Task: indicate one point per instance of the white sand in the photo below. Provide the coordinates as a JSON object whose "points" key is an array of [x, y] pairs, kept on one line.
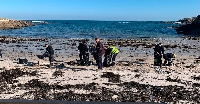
{"points": [[66, 51]]}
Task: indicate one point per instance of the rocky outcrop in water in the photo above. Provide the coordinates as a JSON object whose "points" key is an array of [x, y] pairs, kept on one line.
{"points": [[185, 21], [189, 26], [14, 24]]}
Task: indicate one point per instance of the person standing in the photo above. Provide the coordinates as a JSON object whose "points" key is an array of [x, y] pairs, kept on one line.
{"points": [[100, 51], [0, 54], [158, 54], [107, 56], [50, 53], [83, 52]]}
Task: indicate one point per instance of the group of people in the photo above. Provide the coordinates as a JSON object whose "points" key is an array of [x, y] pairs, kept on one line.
{"points": [[98, 51], [110, 53], [159, 54]]}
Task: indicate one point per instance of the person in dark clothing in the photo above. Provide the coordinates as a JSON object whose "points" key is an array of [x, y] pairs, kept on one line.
{"points": [[159, 49], [0, 54], [49, 52], [158, 53], [93, 52], [100, 51], [107, 57], [168, 58], [83, 55]]}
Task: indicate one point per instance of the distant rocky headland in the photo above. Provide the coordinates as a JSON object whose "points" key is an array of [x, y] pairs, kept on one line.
{"points": [[189, 26], [13, 24]]}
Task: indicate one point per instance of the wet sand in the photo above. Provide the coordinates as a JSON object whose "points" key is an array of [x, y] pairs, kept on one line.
{"points": [[132, 79]]}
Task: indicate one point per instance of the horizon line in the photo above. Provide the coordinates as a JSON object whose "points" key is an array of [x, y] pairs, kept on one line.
{"points": [[91, 20]]}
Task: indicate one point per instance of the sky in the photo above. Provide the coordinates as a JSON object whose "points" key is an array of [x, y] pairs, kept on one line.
{"points": [[107, 10]]}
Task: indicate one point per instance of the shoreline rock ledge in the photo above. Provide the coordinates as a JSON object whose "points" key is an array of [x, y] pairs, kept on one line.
{"points": [[189, 26], [13, 24]]}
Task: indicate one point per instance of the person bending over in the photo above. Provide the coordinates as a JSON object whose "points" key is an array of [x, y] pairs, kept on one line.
{"points": [[114, 54], [50, 53], [110, 55], [83, 52], [168, 59]]}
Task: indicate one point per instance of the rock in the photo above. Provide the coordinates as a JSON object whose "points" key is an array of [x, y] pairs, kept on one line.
{"points": [[189, 26], [58, 73], [114, 97], [197, 20], [114, 78], [186, 20], [14, 24]]}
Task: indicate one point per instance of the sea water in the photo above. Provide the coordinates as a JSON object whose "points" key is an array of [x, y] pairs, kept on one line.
{"points": [[92, 29]]}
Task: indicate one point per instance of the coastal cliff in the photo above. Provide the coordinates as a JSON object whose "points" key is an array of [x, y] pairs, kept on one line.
{"points": [[13, 24], [189, 26]]}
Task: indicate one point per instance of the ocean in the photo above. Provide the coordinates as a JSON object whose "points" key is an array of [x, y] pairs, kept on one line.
{"points": [[92, 29]]}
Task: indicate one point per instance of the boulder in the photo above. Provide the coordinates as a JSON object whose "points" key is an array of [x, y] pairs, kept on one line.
{"points": [[189, 26], [14, 24], [186, 20], [197, 20]]}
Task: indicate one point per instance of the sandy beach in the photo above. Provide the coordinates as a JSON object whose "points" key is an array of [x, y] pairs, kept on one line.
{"points": [[132, 79]]}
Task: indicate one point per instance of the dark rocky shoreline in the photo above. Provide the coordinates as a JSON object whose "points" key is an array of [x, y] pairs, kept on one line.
{"points": [[189, 26]]}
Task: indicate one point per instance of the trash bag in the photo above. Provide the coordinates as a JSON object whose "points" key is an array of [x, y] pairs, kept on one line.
{"points": [[107, 60], [23, 61], [61, 66], [85, 61], [40, 56], [46, 54]]}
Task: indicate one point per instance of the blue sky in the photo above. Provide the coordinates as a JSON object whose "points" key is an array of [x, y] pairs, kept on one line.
{"points": [[127, 10]]}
